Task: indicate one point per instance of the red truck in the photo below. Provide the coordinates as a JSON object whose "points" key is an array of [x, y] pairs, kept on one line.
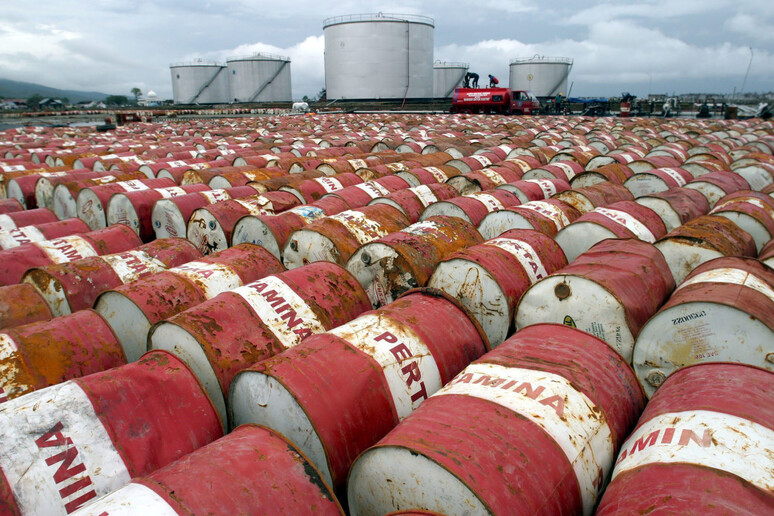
{"points": [[494, 100]]}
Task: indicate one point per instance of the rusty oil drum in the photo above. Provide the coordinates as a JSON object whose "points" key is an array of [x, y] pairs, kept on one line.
{"points": [[17, 219], [73, 286], [624, 219], [413, 201], [337, 393], [676, 206], [548, 216], [273, 231], [68, 444], [230, 332], [132, 309], [252, 470], [10, 238], [170, 216], [472, 207], [335, 238], [46, 353], [16, 261], [405, 259], [723, 311], [702, 446], [657, 180], [700, 240], [211, 227], [489, 278], [551, 398], [134, 209], [610, 291]]}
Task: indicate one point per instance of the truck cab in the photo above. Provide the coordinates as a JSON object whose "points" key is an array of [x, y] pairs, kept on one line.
{"points": [[494, 100]]}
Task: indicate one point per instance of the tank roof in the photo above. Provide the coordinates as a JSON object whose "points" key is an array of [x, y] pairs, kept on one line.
{"points": [[450, 64], [196, 62], [378, 17], [258, 56], [538, 59]]}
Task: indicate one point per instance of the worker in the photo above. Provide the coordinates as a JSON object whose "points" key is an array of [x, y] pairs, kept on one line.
{"points": [[493, 82], [471, 80], [558, 102]]}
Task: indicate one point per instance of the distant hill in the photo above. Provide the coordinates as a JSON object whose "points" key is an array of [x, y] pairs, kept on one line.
{"points": [[21, 90]]}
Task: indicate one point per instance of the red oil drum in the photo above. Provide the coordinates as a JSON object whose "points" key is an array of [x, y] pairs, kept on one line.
{"points": [[273, 231], [484, 179], [210, 227], [657, 180], [360, 195], [701, 446], [717, 185], [46, 353], [564, 170], [313, 189], [676, 206], [614, 172], [73, 442], [16, 261], [337, 393], [700, 240], [251, 471], [73, 286], [391, 265], [10, 238], [17, 219], [336, 237], [651, 162], [58, 193], [550, 397], [132, 309], [624, 219], [230, 332], [548, 216], [610, 291], [170, 216], [429, 175], [488, 279], [751, 211], [10, 205], [413, 201], [535, 189], [587, 198], [722, 312], [134, 208], [472, 207], [91, 203]]}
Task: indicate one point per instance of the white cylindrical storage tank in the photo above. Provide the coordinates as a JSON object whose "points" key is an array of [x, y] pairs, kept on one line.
{"points": [[447, 77], [199, 82], [379, 56], [543, 76], [259, 78]]}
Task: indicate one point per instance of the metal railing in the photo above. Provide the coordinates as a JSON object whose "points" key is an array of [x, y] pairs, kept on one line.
{"points": [[259, 56], [542, 59], [450, 64], [197, 62], [379, 17]]}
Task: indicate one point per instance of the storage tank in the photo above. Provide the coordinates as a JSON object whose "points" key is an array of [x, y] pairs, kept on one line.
{"points": [[379, 56], [199, 82], [259, 78], [446, 77], [543, 76]]}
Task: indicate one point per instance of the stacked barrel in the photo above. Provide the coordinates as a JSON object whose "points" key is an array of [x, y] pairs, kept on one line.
{"points": [[425, 314]]}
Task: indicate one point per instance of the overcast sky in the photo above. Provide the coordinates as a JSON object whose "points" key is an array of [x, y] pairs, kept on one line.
{"points": [[653, 46]]}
